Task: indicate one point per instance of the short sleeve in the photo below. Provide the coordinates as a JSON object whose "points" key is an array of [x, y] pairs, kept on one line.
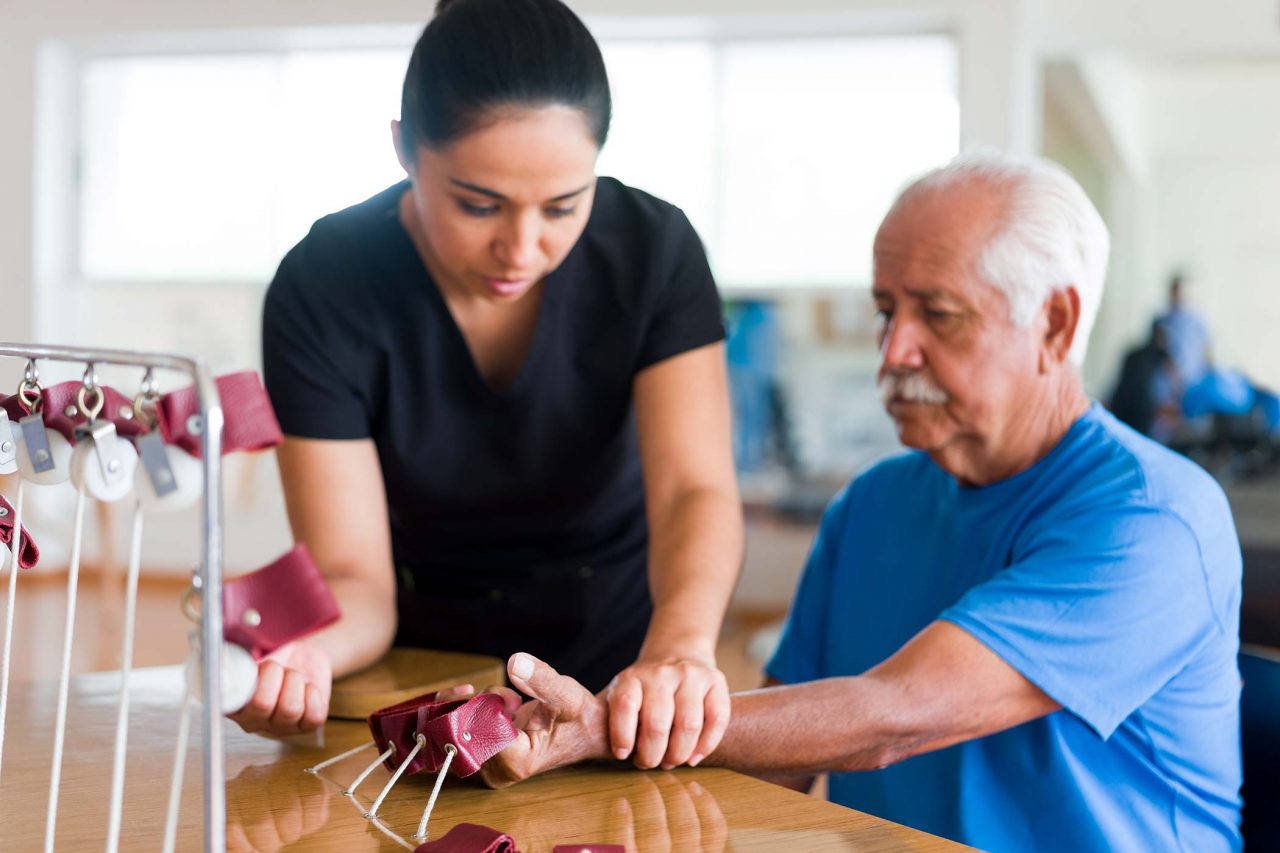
{"points": [[1102, 611], [687, 312], [800, 652], [306, 358]]}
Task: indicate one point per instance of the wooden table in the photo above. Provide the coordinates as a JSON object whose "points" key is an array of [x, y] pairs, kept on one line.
{"points": [[273, 805]]}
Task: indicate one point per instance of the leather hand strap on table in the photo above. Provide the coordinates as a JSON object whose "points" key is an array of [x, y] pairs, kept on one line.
{"points": [[277, 604], [249, 421], [470, 838], [477, 727], [30, 553]]}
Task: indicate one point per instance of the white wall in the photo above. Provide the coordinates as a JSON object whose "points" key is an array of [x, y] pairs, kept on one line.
{"points": [[1214, 202]]}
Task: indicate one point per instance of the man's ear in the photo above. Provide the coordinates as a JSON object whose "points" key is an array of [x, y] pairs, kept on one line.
{"points": [[397, 140], [1062, 315]]}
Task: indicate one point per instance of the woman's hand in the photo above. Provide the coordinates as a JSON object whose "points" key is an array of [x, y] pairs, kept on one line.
{"points": [[667, 712], [292, 697]]}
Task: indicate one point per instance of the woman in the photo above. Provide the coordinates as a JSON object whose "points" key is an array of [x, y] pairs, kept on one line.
{"points": [[503, 387]]}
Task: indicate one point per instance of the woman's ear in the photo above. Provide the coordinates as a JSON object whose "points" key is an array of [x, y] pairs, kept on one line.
{"points": [[397, 140]]}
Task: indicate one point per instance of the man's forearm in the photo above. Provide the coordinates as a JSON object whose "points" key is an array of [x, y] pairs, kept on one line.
{"points": [[837, 724]]}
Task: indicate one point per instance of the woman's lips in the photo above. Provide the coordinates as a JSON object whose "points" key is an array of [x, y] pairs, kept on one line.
{"points": [[508, 287]]}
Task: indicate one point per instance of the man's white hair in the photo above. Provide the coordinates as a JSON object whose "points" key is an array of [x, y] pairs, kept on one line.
{"points": [[1051, 238]]}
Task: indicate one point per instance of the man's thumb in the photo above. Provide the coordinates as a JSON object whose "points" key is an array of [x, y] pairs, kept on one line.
{"points": [[537, 679]]}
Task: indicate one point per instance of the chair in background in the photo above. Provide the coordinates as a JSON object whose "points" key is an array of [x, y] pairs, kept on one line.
{"points": [[1260, 742]]}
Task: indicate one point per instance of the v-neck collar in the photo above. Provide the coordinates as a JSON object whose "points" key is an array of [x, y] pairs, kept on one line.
{"points": [[551, 287]]}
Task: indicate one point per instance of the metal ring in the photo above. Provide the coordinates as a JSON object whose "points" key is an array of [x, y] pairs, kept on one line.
{"points": [[91, 412], [144, 408], [31, 395], [31, 374], [189, 608]]}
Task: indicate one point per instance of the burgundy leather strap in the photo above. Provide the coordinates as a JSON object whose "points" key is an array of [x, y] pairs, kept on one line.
{"points": [[470, 838], [289, 599], [478, 727], [62, 398], [249, 421], [57, 399], [589, 848], [30, 553]]}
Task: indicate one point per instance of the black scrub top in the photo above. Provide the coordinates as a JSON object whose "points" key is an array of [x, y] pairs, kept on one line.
{"points": [[517, 515]]}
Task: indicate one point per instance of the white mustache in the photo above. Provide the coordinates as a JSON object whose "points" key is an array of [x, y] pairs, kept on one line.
{"points": [[911, 388]]}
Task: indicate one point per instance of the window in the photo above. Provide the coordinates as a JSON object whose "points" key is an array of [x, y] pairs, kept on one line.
{"points": [[785, 153]]}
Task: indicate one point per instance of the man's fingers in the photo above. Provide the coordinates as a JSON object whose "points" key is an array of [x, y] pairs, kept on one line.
{"points": [[625, 697], [686, 726], [716, 711], [511, 700], [561, 694], [458, 691]]}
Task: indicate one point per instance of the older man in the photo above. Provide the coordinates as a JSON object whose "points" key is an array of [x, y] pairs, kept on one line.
{"points": [[1023, 635]]}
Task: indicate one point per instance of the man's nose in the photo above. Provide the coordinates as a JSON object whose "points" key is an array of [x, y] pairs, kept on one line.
{"points": [[900, 345]]}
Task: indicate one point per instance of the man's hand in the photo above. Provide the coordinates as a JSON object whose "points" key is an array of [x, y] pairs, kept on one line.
{"points": [[292, 697], [561, 723], [668, 711]]}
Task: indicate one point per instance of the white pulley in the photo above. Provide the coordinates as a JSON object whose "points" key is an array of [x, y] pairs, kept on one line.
{"points": [[184, 475], [106, 479], [239, 677], [56, 449]]}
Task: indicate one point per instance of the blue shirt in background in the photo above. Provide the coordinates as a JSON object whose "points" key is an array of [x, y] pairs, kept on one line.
{"points": [[1108, 574]]}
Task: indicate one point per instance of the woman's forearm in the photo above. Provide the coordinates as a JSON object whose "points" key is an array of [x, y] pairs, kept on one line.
{"points": [[695, 554]]}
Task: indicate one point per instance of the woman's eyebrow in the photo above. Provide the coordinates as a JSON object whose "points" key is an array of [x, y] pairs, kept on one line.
{"points": [[494, 194]]}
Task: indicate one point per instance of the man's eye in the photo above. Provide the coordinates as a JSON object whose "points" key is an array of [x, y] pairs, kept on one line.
{"points": [[560, 212], [477, 209], [934, 314]]}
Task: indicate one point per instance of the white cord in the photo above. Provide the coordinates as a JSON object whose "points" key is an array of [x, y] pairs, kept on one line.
{"points": [[350, 752], [395, 777], [8, 614], [386, 830], [350, 790], [64, 679], [175, 785], [126, 665], [449, 752]]}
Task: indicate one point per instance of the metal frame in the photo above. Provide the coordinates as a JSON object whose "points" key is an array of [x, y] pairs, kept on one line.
{"points": [[210, 572]]}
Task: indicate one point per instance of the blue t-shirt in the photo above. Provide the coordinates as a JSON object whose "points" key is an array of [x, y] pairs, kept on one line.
{"points": [[1108, 574]]}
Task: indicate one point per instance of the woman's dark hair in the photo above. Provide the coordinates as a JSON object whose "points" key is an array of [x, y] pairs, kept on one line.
{"points": [[479, 56]]}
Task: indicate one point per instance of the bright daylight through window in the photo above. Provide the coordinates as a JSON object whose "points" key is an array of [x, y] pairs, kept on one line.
{"points": [[784, 153]]}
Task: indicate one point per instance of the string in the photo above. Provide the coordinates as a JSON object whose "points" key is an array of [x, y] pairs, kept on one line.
{"points": [[126, 665], [449, 752], [64, 678], [350, 791], [395, 777], [175, 785], [350, 752], [8, 615]]}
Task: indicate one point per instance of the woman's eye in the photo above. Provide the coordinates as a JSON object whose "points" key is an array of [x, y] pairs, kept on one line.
{"points": [[477, 209], [560, 212]]}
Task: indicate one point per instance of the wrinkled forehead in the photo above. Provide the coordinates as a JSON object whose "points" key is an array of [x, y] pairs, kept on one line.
{"points": [[933, 240]]}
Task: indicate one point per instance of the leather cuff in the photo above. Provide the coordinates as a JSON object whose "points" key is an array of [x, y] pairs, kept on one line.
{"points": [[470, 838], [277, 604], [30, 553], [477, 727]]}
